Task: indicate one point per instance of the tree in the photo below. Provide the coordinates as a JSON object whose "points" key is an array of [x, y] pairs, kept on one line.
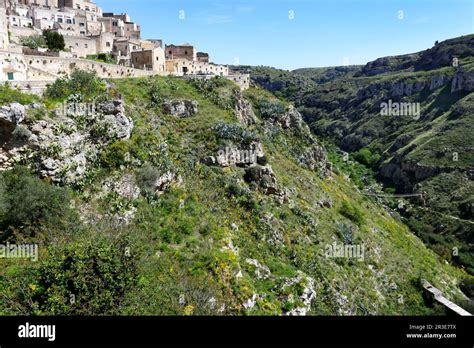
{"points": [[54, 40]]}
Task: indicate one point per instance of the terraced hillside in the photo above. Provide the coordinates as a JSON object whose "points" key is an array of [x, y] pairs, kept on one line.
{"points": [[430, 153], [190, 198]]}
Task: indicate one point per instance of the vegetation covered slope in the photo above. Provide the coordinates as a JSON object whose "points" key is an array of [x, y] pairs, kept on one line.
{"points": [[430, 153], [154, 225]]}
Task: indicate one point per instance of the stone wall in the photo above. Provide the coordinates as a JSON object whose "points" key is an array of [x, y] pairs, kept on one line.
{"points": [[38, 68]]}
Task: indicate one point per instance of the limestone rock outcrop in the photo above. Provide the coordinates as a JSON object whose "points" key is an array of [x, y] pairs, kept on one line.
{"points": [[12, 114], [463, 81], [180, 107], [242, 156], [63, 148], [244, 111]]}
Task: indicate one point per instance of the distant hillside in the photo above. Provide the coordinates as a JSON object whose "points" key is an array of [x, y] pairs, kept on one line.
{"points": [[431, 154]]}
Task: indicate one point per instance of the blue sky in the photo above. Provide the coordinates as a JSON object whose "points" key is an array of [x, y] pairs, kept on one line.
{"points": [[292, 34]]}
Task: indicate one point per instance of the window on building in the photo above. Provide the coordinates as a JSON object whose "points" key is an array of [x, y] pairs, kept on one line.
{"points": [[186, 53], [115, 24], [10, 76], [83, 33], [86, 45], [60, 20], [107, 44], [68, 21], [82, 24]]}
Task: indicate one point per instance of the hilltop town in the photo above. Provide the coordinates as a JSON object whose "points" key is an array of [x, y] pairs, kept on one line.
{"points": [[109, 44]]}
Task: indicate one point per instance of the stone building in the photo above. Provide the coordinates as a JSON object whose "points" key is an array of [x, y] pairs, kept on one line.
{"points": [[151, 43], [181, 67], [79, 46], [152, 59], [203, 57], [86, 5], [121, 25], [185, 51], [44, 3], [104, 42], [123, 48], [88, 31]]}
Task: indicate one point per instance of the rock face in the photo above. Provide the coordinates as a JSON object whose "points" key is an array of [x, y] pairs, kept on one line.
{"points": [[181, 108], [244, 111], [260, 271], [315, 158], [388, 64], [113, 107], [12, 114], [165, 181], [292, 118], [463, 81], [125, 187], [402, 88], [407, 173], [264, 177], [65, 147], [243, 156], [308, 293]]}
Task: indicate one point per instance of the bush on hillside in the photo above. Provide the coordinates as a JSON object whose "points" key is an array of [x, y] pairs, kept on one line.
{"points": [[26, 200], [10, 95], [81, 82], [54, 40], [33, 42], [271, 109], [85, 278], [352, 213], [234, 133], [365, 156], [147, 177]]}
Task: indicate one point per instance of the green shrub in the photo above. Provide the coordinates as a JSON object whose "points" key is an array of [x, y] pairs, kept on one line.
{"points": [[33, 42], [54, 40], [81, 82], [87, 278], [352, 213], [271, 109], [29, 201], [9, 95], [234, 133], [146, 179], [365, 156], [155, 95], [115, 154]]}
